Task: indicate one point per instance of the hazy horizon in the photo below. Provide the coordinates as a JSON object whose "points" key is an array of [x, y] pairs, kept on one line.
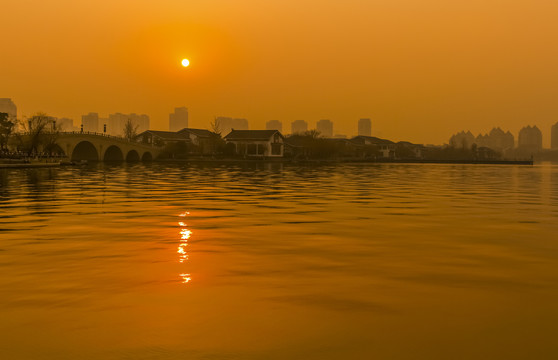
{"points": [[421, 71]]}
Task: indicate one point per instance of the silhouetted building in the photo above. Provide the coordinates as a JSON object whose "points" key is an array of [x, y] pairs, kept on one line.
{"points": [[65, 124], [117, 121], [226, 124], [554, 136], [497, 140], [179, 119], [240, 124], [299, 127], [161, 138], [202, 141], [274, 125], [365, 127], [386, 148], [256, 143], [530, 139], [325, 128], [90, 122], [462, 140], [7, 106]]}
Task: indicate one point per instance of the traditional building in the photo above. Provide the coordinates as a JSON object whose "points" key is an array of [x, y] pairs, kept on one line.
{"points": [[385, 147], [203, 140], [161, 138], [256, 143]]}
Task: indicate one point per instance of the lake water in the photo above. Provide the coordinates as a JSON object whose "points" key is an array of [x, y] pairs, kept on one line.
{"points": [[272, 261]]}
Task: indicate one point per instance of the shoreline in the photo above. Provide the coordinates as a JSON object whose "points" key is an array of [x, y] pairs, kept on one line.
{"points": [[291, 161]]}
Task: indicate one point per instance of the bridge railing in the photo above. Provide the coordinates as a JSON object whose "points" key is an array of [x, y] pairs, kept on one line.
{"points": [[121, 138]]}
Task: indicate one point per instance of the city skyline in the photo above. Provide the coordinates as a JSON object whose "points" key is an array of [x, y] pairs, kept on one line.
{"points": [[420, 70], [348, 127], [114, 124]]}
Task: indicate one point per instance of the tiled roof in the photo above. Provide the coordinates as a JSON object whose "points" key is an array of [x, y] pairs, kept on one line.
{"points": [[197, 132], [251, 134], [166, 135], [372, 140]]}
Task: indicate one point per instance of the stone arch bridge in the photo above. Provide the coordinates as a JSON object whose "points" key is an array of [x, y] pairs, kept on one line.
{"points": [[99, 147]]}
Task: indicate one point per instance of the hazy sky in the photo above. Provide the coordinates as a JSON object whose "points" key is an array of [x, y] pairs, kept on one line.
{"points": [[420, 69]]}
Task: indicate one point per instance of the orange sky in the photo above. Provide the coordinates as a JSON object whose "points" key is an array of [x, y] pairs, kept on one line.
{"points": [[421, 69]]}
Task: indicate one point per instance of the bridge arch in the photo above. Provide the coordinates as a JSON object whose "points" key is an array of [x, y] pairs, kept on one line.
{"points": [[113, 153], [146, 157], [85, 150], [132, 156]]}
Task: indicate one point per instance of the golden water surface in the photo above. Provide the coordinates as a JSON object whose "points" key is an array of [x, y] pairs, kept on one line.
{"points": [[269, 261]]}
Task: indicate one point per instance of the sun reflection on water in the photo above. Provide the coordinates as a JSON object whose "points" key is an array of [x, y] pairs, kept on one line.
{"points": [[182, 253]]}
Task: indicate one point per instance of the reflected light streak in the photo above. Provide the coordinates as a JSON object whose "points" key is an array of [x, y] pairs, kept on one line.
{"points": [[183, 254], [185, 278]]}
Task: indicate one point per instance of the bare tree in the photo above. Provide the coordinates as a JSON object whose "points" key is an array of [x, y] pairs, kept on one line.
{"points": [[130, 130], [6, 128], [215, 127], [39, 133]]}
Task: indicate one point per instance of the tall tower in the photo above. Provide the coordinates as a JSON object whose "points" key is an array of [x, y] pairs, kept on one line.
{"points": [[240, 124], [530, 138], [325, 127], [179, 119], [90, 122], [299, 126], [554, 136], [364, 127], [274, 125], [7, 106]]}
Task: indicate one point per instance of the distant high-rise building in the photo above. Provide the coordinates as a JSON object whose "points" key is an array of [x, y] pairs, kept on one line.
{"points": [[554, 136], [364, 127], [325, 128], [90, 122], [497, 140], [225, 124], [7, 106], [65, 124], [116, 123], [179, 119], [462, 140], [240, 124], [299, 126], [274, 125], [530, 139]]}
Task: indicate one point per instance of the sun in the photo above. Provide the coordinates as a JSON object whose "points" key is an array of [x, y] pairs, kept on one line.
{"points": [[185, 62]]}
